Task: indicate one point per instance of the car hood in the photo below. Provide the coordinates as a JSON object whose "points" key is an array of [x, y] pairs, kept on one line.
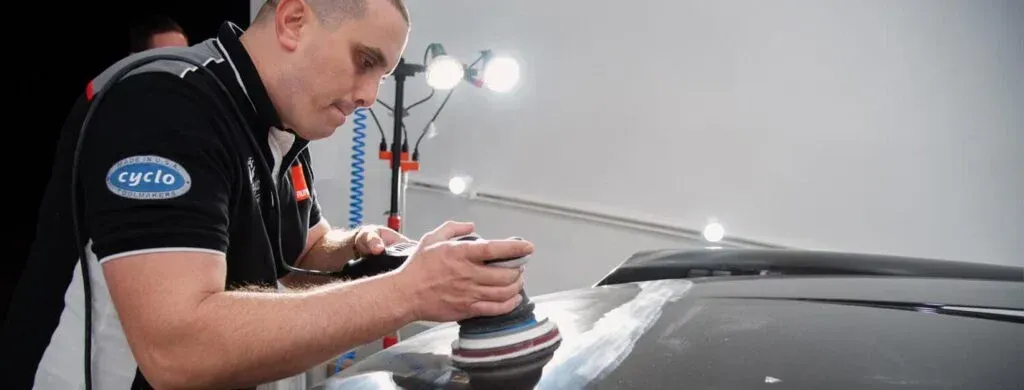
{"points": [[804, 332]]}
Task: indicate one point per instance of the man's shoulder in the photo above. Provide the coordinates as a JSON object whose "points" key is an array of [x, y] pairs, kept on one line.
{"points": [[175, 68], [154, 98]]}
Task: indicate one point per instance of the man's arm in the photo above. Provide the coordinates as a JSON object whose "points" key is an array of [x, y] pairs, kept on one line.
{"points": [[326, 249], [163, 258], [185, 330]]}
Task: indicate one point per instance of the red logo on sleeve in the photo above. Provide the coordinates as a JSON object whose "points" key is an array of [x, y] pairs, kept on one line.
{"points": [[299, 183]]}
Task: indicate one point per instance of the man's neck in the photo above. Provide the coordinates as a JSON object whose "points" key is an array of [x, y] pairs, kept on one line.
{"points": [[252, 43], [255, 44]]}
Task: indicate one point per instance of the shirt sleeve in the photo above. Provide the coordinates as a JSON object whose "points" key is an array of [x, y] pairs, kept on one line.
{"points": [[156, 175]]}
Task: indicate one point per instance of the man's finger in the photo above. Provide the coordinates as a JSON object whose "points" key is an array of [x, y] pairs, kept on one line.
{"points": [[498, 293], [485, 308], [447, 231], [480, 251], [497, 276], [391, 237], [369, 242]]}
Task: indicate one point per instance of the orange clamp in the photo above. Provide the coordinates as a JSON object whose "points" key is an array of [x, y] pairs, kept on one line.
{"points": [[386, 155], [408, 166]]}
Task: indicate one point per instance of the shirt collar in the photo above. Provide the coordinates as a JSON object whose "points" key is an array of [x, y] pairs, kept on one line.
{"points": [[248, 77]]}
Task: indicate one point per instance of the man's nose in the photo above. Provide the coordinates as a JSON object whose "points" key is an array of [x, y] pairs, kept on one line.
{"points": [[366, 94]]}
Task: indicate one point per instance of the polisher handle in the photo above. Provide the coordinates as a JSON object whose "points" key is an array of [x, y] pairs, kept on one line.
{"points": [[393, 257], [514, 262]]}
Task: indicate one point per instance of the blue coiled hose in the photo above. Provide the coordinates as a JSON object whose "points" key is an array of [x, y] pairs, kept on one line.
{"points": [[355, 213]]}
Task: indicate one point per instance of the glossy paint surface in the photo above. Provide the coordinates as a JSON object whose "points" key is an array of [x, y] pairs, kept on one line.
{"points": [[774, 333]]}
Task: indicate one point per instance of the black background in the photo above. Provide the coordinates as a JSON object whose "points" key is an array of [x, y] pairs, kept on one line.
{"points": [[52, 53]]}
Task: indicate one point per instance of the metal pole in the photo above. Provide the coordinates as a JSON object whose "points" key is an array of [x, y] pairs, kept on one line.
{"points": [[403, 194], [394, 216]]}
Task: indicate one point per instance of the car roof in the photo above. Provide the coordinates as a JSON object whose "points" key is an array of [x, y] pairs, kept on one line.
{"points": [[690, 263], [797, 331]]}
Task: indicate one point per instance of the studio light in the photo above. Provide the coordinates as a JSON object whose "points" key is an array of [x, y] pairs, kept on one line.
{"points": [[501, 74], [458, 184], [444, 72], [713, 232]]}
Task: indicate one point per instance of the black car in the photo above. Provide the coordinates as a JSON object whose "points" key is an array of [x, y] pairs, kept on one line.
{"points": [[743, 319]]}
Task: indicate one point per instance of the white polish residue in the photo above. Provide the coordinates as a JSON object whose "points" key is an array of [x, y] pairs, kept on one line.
{"points": [[596, 352], [771, 379]]}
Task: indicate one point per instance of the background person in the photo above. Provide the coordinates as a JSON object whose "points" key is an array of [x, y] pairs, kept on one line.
{"points": [[153, 31]]}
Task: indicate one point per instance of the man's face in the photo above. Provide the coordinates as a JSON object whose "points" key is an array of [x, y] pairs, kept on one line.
{"points": [[335, 69], [167, 39]]}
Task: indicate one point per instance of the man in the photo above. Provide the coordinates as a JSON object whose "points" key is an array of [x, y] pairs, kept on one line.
{"points": [[189, 214], [155, 31]]}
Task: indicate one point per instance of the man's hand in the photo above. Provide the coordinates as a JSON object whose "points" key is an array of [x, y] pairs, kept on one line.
{"points": [[329, 249], [372, 239], [448, 281]]}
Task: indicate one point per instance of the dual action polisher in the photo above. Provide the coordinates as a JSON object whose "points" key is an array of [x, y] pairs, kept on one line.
{"points": [[516, 337]]}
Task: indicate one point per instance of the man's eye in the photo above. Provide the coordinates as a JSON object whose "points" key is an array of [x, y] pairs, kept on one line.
{"points": [[367, 63]]}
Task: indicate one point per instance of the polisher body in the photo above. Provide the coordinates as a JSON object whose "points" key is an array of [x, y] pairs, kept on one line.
{"points": [[511, 338]]}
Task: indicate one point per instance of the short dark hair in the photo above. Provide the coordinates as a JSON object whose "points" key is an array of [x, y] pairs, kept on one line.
{"points": [[146, 26], [333, 11]]}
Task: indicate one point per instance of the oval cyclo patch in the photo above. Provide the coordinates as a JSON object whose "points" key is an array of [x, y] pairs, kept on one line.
{"points": [[148, 177]]}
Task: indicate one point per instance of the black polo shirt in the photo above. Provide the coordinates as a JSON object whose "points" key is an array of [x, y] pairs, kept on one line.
{"points": [[166, 165]]}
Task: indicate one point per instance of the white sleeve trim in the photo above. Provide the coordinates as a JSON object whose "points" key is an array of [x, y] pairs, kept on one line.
{"points": [[158, 250]]}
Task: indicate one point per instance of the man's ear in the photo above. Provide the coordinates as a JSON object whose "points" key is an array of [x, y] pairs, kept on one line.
{"points": [[291, 18]]}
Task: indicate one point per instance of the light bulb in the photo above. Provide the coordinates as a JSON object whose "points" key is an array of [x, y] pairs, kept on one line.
{"points": [[501, 74], [713, 232], [458, 184], [444, 72]]}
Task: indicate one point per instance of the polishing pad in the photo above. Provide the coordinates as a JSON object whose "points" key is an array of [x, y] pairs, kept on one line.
{"points": [[507, 346]]}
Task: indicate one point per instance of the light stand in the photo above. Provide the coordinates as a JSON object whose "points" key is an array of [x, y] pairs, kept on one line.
{"points": [[399, 154], [443, 72]]}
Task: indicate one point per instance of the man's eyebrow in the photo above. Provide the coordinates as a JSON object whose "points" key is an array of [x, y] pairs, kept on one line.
{"points": [[375, 54]]}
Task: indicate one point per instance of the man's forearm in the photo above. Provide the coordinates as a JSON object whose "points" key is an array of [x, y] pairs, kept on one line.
{"points": [[242, 339], [330, 253]]}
